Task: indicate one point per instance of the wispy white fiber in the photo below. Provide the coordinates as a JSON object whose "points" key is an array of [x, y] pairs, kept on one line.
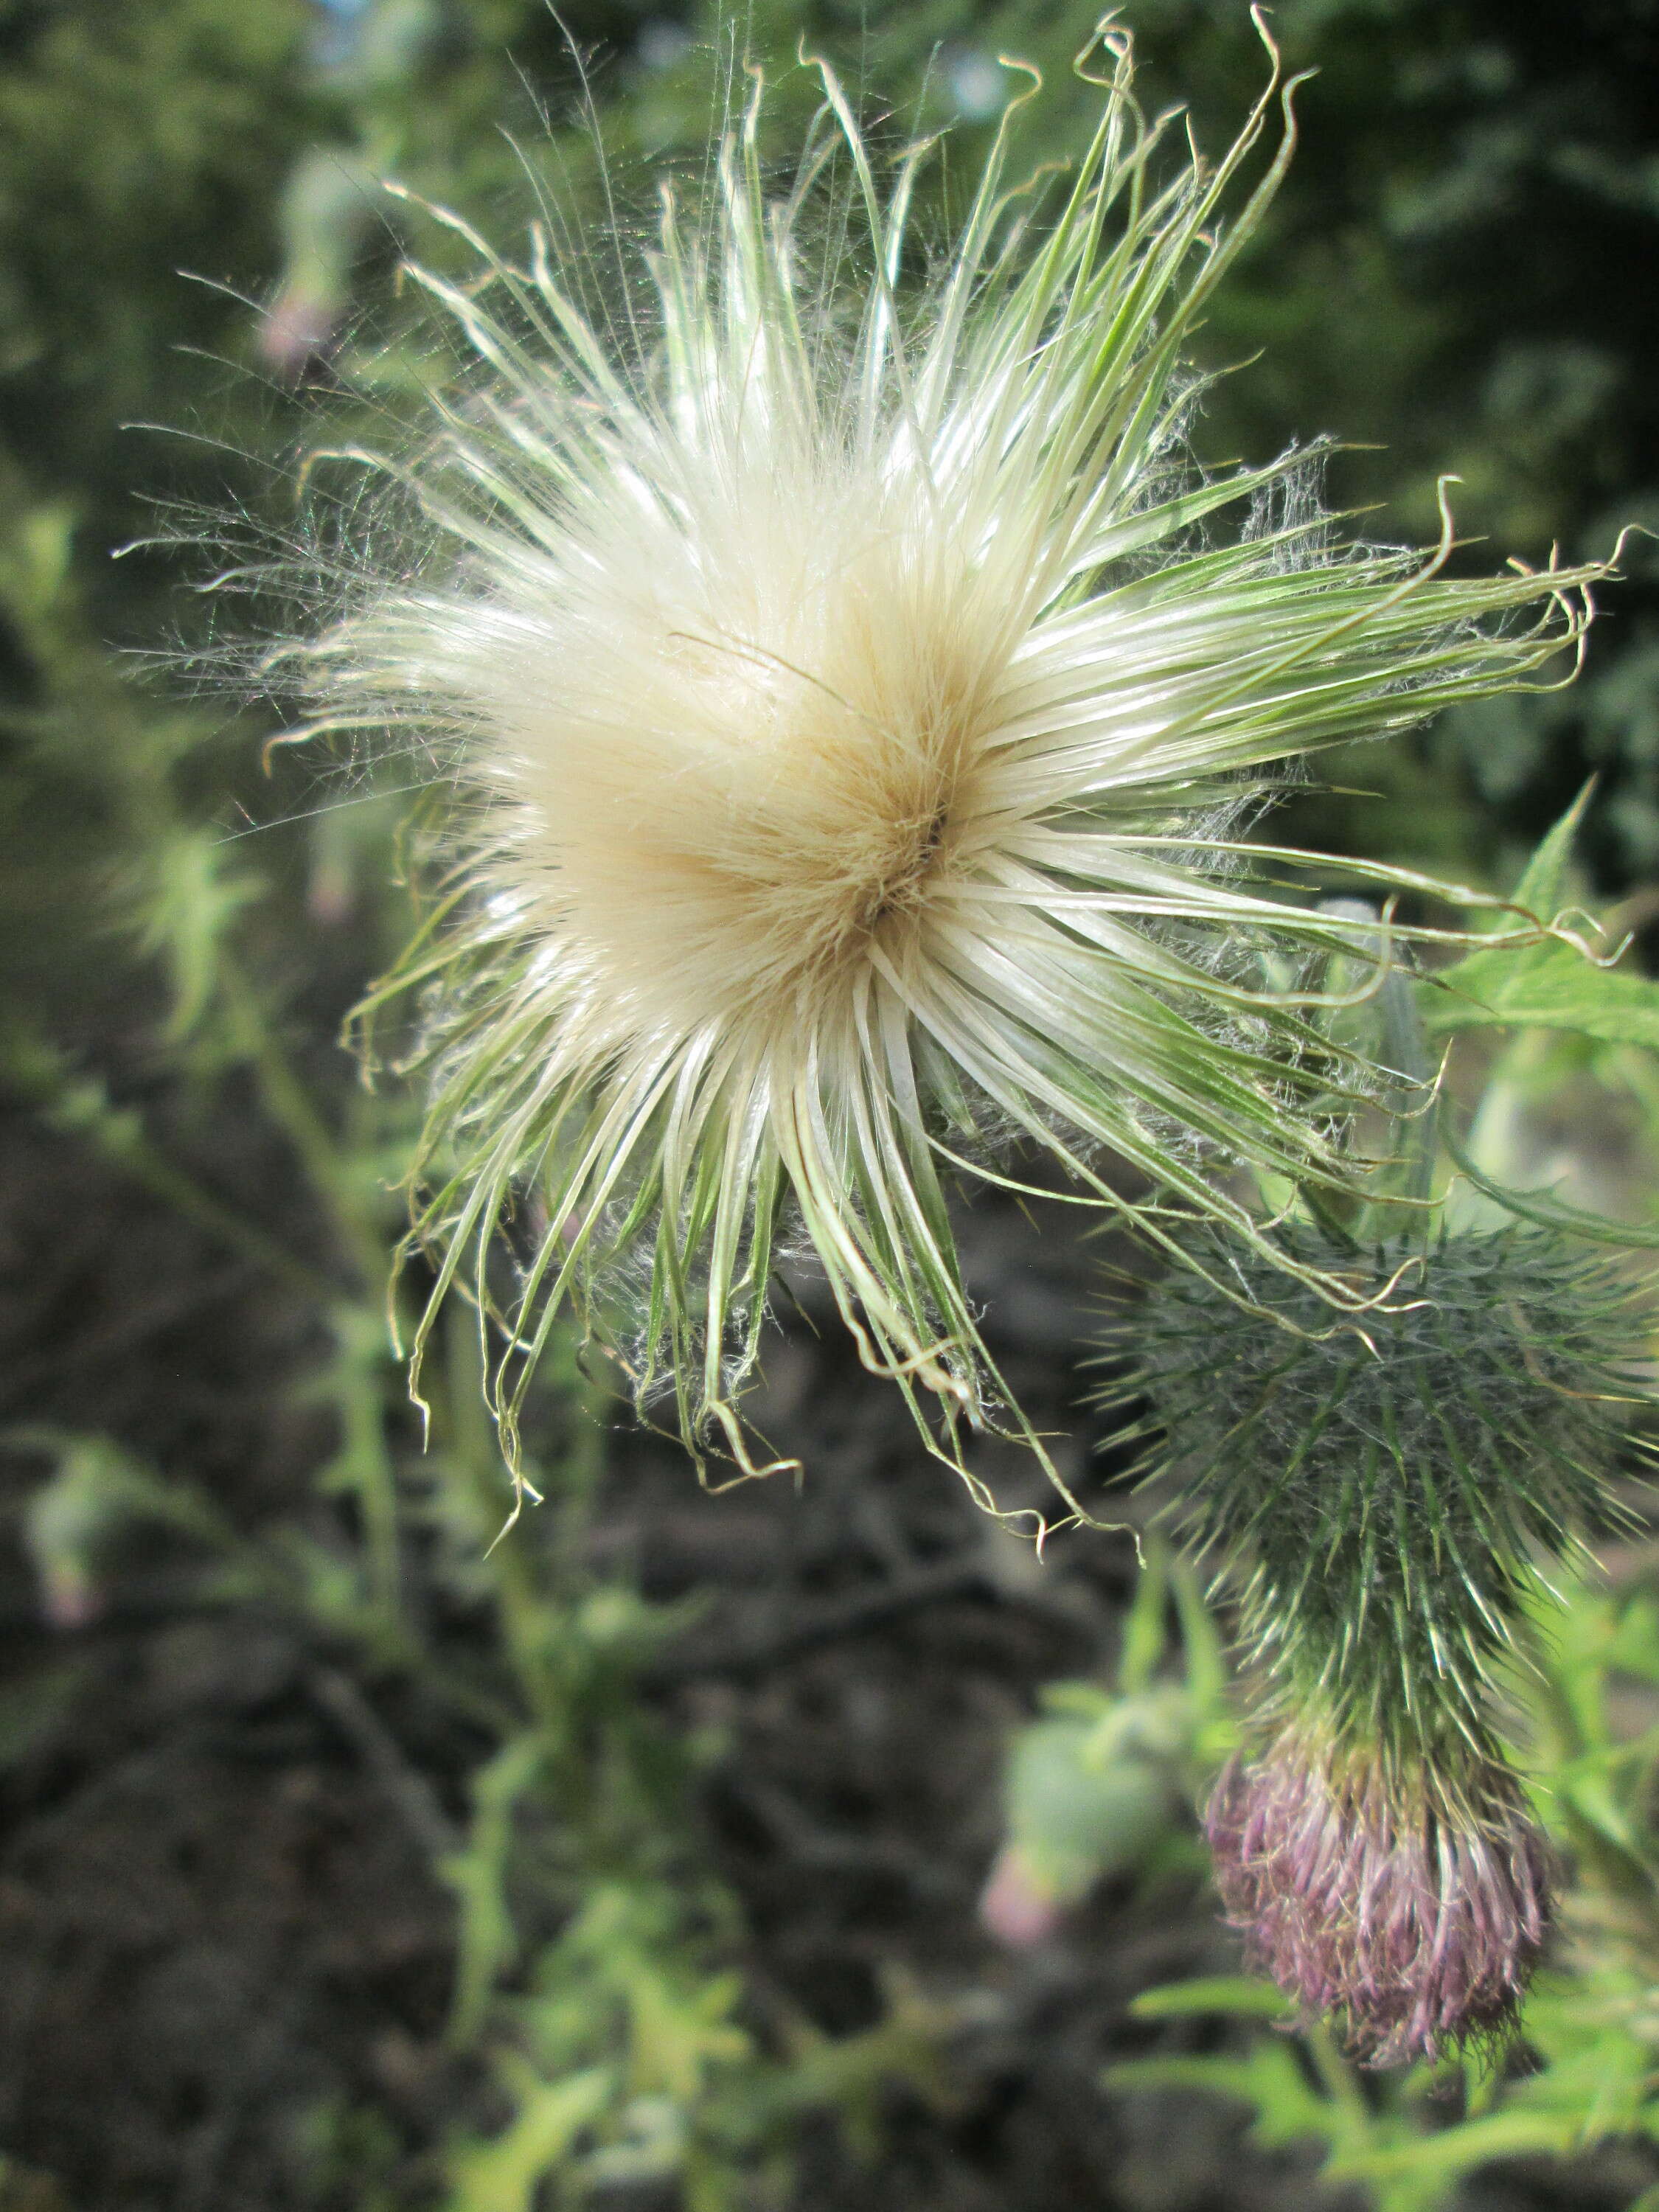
{"points": [[844, 693]]}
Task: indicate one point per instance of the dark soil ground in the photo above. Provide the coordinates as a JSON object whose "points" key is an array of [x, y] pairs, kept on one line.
{"points": [[217, 1919]]}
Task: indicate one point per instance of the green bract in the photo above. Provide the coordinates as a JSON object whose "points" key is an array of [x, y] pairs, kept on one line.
{"points": [[844, 704], [1385, 1494]]}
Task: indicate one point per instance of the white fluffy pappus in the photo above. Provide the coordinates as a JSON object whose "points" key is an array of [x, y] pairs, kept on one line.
{"points": [[843, 695]]}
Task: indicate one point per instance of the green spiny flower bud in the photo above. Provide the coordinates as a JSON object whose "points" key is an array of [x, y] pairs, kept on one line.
{"points": [[1381, 1496]]}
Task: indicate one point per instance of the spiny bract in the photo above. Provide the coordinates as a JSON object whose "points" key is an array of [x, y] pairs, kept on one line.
{"points": [[847, 723], [1381, 1493]]}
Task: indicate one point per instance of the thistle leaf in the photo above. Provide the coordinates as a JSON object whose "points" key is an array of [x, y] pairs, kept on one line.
{"points": [[1547, 984]]}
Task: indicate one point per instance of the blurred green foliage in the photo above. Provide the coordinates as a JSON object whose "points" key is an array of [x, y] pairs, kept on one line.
{"points": [[1453, 276], [619, 2051]]}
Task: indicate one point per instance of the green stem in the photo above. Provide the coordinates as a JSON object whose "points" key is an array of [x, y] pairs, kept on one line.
{"points": [[1335, 2075], [1405, 1049], [365, 1464], [153, 1171], [289, 1105], [78, 1106]]}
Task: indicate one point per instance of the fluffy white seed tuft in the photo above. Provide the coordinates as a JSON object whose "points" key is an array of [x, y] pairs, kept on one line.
{"points": [[744, 754], [844, 704]]}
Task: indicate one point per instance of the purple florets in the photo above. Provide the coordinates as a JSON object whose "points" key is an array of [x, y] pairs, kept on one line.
{"points": [[1418, 1920]]}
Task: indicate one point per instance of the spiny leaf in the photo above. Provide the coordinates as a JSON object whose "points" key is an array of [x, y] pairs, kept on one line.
{"points": [[1546, 985], [1539, 889]]}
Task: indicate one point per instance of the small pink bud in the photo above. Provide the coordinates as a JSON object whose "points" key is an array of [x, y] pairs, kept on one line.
{"points": [[1016, 1908], [296, 331], [71, 1596]]}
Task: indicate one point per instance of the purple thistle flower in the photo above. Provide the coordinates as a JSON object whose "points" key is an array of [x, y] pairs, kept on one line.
{"points": [[1417, 1916]]}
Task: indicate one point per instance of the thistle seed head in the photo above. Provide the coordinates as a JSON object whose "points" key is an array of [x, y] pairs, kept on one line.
{"points": [[1414, 1915], [846, 696], [746, 764]]}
